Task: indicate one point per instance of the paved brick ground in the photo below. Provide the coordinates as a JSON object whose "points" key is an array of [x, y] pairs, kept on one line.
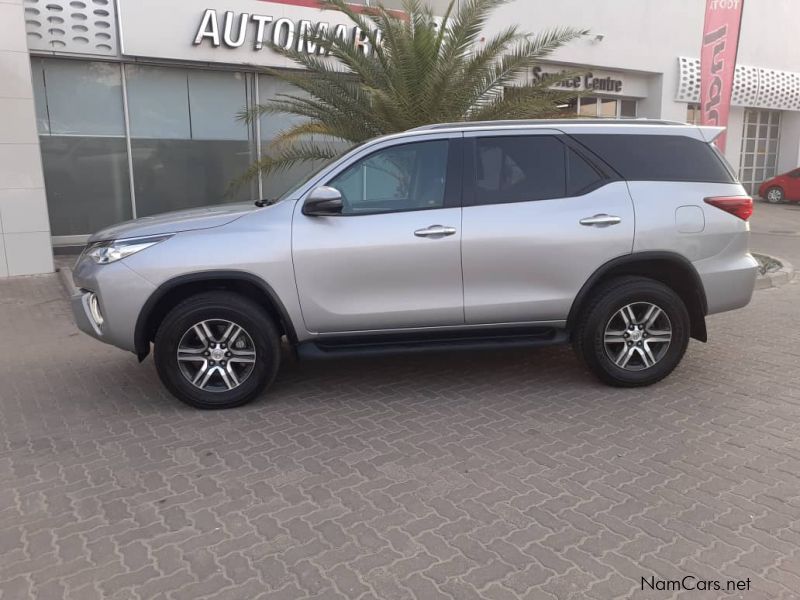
{"points": [[504, 475]]}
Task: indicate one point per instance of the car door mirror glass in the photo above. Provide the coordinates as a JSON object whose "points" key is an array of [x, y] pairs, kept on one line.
{"points": [[323, 201]]}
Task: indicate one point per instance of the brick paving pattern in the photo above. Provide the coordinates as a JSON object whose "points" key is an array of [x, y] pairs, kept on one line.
{"points": [[491, 475]]}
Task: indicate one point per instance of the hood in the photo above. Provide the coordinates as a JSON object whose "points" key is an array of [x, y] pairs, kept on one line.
{"points": [[174, 222]]}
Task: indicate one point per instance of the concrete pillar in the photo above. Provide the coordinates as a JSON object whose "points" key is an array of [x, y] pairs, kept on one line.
{"points": [[25, 246], [733, 144]]}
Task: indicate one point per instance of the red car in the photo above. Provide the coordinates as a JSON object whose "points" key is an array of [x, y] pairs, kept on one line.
{"points": [[781, 188]]}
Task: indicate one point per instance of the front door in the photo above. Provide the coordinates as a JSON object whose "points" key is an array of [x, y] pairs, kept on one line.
{"points": [[539, 218], [392, 259]]}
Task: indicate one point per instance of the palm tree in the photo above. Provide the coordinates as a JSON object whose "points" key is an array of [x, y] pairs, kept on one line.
{"points": [[415, 74]]}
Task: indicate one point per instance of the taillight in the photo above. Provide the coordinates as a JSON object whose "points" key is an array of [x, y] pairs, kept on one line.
{"points": [[738, 206]]}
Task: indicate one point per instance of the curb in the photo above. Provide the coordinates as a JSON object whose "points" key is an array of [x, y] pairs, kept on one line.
{"points": [[65, 277], [777, 278]]}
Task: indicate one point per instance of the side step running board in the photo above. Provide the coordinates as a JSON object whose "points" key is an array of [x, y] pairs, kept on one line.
{"points": [[313, 350]]}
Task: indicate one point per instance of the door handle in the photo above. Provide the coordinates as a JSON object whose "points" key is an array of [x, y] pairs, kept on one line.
{"points": [[435, 231], [601, 221]]}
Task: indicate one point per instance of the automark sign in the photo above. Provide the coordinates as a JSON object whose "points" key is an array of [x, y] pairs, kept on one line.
{"points": [[234, 31]]}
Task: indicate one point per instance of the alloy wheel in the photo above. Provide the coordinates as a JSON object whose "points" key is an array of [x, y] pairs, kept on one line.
{"points": [[637, 336], [216, 355]]}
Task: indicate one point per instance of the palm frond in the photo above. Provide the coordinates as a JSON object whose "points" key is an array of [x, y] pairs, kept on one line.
{"points": [[414, 74]]}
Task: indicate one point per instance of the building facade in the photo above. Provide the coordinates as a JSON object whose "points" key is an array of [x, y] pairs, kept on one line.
{"points": [[117, 109]]}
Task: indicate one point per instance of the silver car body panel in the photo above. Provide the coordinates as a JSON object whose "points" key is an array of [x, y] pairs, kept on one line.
{"points": [[674, 217], [121, 294], [509, 264], [359, 273], [514, 255], [174, 222]]}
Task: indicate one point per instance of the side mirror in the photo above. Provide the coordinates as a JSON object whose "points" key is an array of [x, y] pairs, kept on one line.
{"points": [[323, 201]]}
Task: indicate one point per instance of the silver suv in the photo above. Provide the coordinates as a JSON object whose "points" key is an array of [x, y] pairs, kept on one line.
{"points": [[617, 236]]}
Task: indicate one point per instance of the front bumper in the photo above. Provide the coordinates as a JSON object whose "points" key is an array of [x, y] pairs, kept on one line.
{"points": [[121, 294], [83, 316]]}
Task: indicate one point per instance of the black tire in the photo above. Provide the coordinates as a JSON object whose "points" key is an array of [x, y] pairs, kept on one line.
{"points": [[610, 297], [775, 195], [210, 306]]}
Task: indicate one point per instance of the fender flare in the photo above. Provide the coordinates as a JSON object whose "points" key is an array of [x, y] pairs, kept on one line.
{"points": [[141, 335], [697, 316]]}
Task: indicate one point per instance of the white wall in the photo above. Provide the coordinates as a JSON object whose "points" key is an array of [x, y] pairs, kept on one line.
{"points": [[24, 226], [650, 35]]}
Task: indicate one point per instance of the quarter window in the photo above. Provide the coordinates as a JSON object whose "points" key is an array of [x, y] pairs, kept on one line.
{"points": [[401, 178], [581, 176], [519, 169], [658, 157]]}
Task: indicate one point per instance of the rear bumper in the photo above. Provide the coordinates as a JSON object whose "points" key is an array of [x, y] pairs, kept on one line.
{"points": [[728, 285]]}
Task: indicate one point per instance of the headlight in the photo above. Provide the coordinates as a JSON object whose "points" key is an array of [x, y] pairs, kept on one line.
{"points": [[111, 251]]}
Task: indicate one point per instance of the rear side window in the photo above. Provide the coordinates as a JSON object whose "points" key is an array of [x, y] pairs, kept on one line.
{"points": [[581, 176], [658, 157], [519, 169]]}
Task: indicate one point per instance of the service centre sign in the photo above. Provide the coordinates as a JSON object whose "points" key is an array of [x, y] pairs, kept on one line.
{"points": [[590, 79], [584, 82], [236, 31]]}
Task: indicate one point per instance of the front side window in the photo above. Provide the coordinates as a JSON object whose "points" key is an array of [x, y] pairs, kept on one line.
{"points": [[401, 178], [519, 169]]}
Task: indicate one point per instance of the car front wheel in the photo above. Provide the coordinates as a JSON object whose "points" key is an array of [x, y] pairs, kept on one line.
{"points": [[634, 332], [217, 350]]}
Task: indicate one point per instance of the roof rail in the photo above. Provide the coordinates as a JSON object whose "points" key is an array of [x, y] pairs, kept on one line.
{"points": [[522, 122]]}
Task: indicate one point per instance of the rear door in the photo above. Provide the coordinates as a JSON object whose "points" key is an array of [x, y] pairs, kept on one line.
{"points": [[539, 218]]}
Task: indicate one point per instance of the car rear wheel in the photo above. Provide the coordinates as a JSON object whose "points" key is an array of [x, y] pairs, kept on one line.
{"points": [[774, 195], [217, 350], [634, 332]]}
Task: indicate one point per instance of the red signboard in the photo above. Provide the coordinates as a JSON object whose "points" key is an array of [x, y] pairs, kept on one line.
{"points": [[718, 61]]}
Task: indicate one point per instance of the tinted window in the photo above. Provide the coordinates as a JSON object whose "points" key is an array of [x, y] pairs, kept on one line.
{"points": [[408, 177], [519, 169], [658, 157], [581, 176]]}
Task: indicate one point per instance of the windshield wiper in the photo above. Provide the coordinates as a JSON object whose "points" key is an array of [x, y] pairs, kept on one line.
{"points": [[265, 202]]}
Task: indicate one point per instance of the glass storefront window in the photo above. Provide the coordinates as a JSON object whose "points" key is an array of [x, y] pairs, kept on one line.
{"points": [[187, 145], [158, 102], [587, 107], [606, 108], [693, 114], [275, 184], [87, 182], [627, 109], [759, 150], [82, 136]]}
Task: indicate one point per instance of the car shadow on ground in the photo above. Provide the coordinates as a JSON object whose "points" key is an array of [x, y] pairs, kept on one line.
{"points": [[526, 379]]}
